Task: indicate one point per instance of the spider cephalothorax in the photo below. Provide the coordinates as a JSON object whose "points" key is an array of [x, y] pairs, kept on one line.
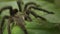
{"points": [[19, 16]]}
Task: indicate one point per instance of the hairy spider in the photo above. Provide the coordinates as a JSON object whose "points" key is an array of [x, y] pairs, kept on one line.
{"points": [[19, 16]]}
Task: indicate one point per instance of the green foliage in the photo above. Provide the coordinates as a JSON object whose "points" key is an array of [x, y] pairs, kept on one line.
{"points": [[37, 26]]}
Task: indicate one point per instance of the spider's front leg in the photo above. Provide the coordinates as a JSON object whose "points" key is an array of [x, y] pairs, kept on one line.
{"points": [[20, 3], [33, 5], [2, 23], [43, 10], [5, 8]]}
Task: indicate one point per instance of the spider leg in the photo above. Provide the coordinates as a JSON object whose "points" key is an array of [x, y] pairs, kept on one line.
{"points": [[23, 28], [35, 6], [12, 11], [12, 25], [27, 17], [29, 4], [12, 22], [8, 25], [20, 23], [6, 7], [2, 23], [37, 16], [19, 3], [42, 10]]}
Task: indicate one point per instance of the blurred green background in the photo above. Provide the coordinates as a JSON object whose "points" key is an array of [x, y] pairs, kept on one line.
{"points": [[37, 26]]}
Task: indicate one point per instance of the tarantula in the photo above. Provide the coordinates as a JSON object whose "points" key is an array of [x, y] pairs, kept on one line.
{"points": [[19, 16]]}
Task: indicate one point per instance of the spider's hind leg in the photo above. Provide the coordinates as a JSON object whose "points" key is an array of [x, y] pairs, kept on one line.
{"points": [[8, 25], [2, 23]]}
